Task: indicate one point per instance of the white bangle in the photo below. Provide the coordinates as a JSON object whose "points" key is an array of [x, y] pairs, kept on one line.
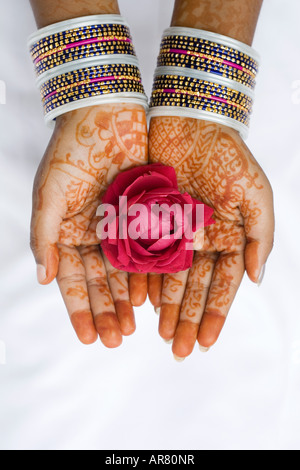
{"points": [[118, 98]]}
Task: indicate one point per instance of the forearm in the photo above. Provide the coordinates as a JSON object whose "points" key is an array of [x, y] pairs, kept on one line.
{"points": [[47, 12], [234, 18]]}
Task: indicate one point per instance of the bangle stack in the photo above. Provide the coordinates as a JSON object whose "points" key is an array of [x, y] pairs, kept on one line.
{"points": [[85, 62], [204, 75]]}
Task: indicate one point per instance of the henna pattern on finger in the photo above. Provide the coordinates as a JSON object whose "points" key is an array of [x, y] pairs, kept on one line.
{"points": [[78, 291], [70, 257], [219, 293], [197, 285], [118, 277], [171, 284]]}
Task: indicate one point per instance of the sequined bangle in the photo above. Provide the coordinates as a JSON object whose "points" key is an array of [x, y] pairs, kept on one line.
{"points": [[201, 88], [197, 52], [85, 42], [206, 97], [90, 82], [206, 76], [81, 52], [84, 62], [206, 65], [198, 46], [100, 72], [48, 43], [201, 110]]}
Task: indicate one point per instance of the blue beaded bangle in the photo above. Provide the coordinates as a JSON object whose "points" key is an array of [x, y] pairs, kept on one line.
{"points": [[199, 45], [190, 86], [81, 53], [207, 66], [167, 107]]}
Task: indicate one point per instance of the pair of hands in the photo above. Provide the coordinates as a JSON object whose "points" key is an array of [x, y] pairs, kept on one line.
{"points": [[89, 147]]}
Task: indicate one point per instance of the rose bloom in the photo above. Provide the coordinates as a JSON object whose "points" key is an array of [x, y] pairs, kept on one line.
{"points": [[150, 223]]}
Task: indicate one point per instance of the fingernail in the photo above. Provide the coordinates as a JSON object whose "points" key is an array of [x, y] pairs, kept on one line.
{"points": [[41, 273], [157, 310], [168, 341], [261, 276], [179, 359], [202, 349]]}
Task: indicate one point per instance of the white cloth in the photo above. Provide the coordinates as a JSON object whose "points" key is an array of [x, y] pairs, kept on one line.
{"points": [[60, 395]]}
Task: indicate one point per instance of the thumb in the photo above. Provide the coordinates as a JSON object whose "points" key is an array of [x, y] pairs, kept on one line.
{"points": [[259, 226], [45, 228]]}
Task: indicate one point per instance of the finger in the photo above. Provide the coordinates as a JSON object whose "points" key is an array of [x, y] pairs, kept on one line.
{"points": [[101, 300], [258, 213], [155, 283], [227, 277], [138, 288], [193, 304], [47, 215], [72, 283], [119, 287], [172, 295]]}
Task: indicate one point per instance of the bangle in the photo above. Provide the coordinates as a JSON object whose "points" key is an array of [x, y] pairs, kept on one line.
{"points": [[204, 75], [89, 43], [86, 61], [88, 83], [206, 64]]}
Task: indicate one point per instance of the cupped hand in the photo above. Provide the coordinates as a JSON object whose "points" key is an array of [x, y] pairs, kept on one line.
{"points": [[214, 165], [87, 150]]}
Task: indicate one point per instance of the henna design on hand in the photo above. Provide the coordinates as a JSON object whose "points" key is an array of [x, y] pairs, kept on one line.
{"points": [[89, 147], [214, 165]]}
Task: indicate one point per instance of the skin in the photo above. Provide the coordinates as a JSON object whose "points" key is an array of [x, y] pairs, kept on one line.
{"points": [[47, 12], [234, 18], [214, 165]]}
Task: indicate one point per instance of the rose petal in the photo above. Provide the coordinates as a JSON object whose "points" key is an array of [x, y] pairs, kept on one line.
{"points": [[146, 183], [126, 178]]}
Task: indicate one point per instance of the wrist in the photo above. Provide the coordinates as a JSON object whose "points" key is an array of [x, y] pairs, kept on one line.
{"points": [[91, 114], [236, 19], [48, 12]]}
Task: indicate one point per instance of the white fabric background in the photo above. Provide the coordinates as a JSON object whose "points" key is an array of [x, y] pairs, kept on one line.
{"points": [[58, 394]]}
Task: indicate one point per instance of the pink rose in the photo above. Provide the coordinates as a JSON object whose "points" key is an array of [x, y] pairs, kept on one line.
{"points": [[150, 229]]}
